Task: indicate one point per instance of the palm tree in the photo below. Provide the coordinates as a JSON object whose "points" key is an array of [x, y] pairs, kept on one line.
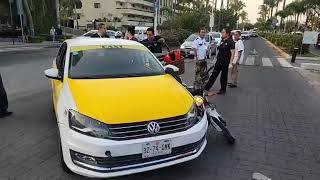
{"points": [[277, 5], [283, 7], [270, 4], [29, 16], [263, 12], [298, 8], [243, 15]]}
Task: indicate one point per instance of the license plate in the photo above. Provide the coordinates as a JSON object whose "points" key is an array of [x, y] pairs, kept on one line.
{"points": [[156, 148]]}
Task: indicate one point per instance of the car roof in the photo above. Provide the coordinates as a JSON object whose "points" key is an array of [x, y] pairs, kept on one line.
{"points": [[100, 41]]}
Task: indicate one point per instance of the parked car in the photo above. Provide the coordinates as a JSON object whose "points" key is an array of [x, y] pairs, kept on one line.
{"points": [[245, 35], [217, 37], [140, 32], [110, 33], [186, 47], [119, 112]]}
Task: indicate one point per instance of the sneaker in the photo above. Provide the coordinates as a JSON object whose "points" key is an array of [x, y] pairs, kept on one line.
{"points": [[5, 114], [233, 86]]}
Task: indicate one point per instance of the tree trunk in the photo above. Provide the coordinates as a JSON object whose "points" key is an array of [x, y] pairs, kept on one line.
{"points": [[271, 12], [297, 22], [227, 4], [215, 5], [29, 16]]}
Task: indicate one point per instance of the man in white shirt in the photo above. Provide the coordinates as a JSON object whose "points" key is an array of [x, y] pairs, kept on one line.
{"points": [[238, 59], [199, 47]]}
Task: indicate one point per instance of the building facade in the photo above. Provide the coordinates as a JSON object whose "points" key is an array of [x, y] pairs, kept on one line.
{"points": [[120, 13]]}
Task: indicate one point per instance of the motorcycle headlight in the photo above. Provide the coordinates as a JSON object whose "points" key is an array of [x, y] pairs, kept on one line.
{"points": [[198, 100], [192, 117], [182, 47], [87, 126]]}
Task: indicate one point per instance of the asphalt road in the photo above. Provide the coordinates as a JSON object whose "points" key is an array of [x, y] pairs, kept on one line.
{"points": [[274, 115]]}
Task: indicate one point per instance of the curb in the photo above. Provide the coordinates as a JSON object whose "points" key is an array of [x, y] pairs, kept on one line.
{"points": [[32, 45], [276, 48]]}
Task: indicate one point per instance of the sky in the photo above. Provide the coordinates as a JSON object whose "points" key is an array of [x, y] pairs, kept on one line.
{"points": [[252, 8]]}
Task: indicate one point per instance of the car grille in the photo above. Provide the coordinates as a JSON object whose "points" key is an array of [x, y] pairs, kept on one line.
{"points": [[139, 130], [113, 164]]}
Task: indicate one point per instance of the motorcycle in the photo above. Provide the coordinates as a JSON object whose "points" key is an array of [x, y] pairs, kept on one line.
{"points": [[204, 107]]}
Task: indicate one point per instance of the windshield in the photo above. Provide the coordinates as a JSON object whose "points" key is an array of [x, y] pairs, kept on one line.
{"points": [[99, 62], [216, 35], [192, 37]]}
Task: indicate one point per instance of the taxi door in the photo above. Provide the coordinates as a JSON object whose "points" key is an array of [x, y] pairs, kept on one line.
{"points": [[59, 64]]}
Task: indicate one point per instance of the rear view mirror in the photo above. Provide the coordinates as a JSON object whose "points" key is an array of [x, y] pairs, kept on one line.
{"points": [[173, 71]]}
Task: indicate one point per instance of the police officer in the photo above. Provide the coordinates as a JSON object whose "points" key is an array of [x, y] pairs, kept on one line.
{"points": [[200, 50], [225, 54], [3, 101]]}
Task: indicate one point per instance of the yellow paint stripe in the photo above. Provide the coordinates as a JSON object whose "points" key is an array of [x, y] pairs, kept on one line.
{"points": [[84, 48]]}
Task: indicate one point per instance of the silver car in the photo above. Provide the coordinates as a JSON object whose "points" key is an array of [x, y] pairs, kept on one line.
{"points": [[186, 47]]}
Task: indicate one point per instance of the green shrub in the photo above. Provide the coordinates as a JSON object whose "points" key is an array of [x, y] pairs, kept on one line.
{"points": [[175, 37], [35, 39], [287, 41]]}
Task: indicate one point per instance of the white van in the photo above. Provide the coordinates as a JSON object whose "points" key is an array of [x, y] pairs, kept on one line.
{"points": [[140, 32]]}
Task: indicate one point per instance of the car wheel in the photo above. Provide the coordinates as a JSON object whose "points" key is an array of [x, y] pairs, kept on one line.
{"points": [[60, 154]]}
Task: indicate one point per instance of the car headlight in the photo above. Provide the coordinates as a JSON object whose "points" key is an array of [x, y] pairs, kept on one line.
{"points": [[87, 126], [182, 47], [192, 117]]}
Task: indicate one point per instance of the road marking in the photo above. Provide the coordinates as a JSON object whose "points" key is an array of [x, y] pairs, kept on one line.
{"points": [[259, 176], [266, 62], [250, 61], [284, 63]]}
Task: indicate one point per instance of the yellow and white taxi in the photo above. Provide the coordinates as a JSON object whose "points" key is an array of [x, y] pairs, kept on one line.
{"points": [[118, 112]]}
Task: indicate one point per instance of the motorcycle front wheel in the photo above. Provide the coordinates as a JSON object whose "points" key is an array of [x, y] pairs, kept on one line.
{"points": [[226, 133]]}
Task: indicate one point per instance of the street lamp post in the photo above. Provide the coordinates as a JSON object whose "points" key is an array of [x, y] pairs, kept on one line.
{"points": [[11, 21]]}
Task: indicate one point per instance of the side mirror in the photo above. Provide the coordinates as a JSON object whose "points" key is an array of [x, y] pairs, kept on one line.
{"points": [[52, 73], [173, 71]]}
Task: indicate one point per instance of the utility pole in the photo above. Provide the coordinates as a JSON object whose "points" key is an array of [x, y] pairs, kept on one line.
{"points": [[11, 21], [220, 16]]}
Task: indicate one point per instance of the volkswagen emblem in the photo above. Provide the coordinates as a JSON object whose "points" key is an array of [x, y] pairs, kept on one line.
{"points": [[153, 128]]}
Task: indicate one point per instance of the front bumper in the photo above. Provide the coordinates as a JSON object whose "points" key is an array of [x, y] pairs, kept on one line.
{"points": [[126, 156]]}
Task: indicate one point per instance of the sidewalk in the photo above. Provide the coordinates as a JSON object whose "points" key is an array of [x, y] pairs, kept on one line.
{"points": [[315, 51], [20, 44]]}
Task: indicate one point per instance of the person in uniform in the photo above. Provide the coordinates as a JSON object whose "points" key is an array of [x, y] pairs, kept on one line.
{"points": [[153, 43], [3, 101], [224, 57], [238, 59], [102, 32], [200, 50]]}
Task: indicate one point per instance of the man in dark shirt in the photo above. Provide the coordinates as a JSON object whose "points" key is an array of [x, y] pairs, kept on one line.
{"points": [[225, 54], [102, 32], [153, 43], [3, 101]]}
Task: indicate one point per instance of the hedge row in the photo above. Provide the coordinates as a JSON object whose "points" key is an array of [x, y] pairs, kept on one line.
{"points": [[286, 42], [45, 37]]}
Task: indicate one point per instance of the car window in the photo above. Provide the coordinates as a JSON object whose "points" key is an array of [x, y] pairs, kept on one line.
{"points": [[60, 60], [207, 38], [113, 62], [192, 37], [217, 35]]}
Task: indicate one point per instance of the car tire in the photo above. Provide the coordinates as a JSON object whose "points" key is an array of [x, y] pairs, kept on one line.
{"points": [[63, 165]]}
